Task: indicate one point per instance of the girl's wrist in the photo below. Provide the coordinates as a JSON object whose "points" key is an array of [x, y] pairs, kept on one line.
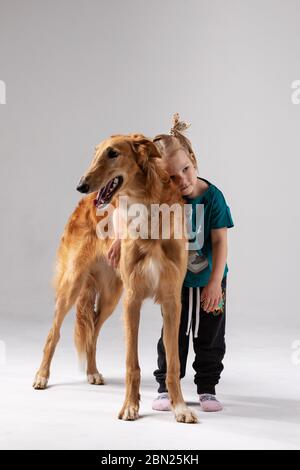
{"points": [[215, 280]]}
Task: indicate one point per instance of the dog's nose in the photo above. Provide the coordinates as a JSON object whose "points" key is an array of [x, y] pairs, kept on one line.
{"points": [[83, 187]]}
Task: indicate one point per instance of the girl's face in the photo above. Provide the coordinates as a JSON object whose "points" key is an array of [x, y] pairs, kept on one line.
{"points": [[182, 172]]}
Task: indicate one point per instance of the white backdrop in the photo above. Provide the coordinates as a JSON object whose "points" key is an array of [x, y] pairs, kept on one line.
{"points": [[76, 72]]}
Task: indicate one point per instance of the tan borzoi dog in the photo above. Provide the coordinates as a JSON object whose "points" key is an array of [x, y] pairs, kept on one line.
{"points": [[122, 166]]}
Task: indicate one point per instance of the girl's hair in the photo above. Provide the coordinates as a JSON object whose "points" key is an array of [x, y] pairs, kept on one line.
{"points": [[167, 144]]}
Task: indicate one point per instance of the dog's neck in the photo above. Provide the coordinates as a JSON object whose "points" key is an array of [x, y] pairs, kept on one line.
{"points": [[157, 190], [142, 206]]}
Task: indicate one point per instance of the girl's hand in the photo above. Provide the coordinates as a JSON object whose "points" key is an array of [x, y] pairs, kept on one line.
{"points": [[211, 296], [114, 253]]}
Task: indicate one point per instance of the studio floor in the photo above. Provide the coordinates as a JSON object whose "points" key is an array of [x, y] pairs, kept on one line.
{"points": [[259, 389]]}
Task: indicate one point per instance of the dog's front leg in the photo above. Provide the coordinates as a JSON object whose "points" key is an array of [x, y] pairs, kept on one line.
{"points": [[171, 315], [132, 308]]}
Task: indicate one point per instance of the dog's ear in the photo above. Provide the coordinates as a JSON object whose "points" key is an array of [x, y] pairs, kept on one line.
{"points": [[144, 151], [149, 160]]}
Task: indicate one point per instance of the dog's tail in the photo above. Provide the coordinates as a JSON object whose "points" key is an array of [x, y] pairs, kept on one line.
{"points": [[84, 333]]}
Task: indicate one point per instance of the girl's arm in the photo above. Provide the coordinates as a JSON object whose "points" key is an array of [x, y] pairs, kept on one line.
{"points": [[114, 252], [212, 293], [219, 253], [118, 223]]}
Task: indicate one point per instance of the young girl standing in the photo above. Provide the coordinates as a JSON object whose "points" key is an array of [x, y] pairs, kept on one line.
{"points": [[203, 293]]}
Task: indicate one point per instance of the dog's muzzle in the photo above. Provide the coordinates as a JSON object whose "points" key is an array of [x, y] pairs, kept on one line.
{"points": [[83, 187]]}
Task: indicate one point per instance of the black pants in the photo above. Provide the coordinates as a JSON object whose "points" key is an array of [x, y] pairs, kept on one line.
{"points": [[209, 343]]}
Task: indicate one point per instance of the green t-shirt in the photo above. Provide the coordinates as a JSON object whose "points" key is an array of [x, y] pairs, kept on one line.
{"points": [[213, 212]]}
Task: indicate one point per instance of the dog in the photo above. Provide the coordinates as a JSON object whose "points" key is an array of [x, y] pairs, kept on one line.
{"points": [[123, 165]]}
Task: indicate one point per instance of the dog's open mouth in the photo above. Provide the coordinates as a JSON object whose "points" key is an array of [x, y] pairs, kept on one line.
{"points": [[106, 193]]}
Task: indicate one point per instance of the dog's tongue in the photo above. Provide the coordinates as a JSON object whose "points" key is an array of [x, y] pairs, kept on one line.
{"points": [[103, 193], [107, 188]]}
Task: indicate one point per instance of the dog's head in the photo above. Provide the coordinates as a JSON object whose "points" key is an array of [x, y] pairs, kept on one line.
{"points": [[120, 160]]}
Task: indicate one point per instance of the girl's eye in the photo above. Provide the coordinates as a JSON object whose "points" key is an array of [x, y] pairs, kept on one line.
{"points": [[185, 168], [172, 177]]}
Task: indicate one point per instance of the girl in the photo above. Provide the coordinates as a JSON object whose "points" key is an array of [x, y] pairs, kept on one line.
{"points": [[203, 293]]}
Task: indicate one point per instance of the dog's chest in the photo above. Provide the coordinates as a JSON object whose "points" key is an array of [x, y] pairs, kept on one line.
{"points": [[152, 272]]}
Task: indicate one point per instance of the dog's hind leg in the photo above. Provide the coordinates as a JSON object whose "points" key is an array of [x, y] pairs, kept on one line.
{"points": [[171, 319], [107, 300], [90, 320], [67, 294], [86, 318], [130, 409]]}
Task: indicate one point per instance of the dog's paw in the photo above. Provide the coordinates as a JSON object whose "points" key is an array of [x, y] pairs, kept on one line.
{"points": [[129, 413], [95, 379], [40, 383], [183, 414]]}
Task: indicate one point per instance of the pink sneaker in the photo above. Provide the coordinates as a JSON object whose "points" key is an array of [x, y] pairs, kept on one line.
{"points": [[161, 402], [209, 402]]}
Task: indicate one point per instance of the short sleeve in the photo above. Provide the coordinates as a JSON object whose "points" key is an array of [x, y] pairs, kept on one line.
{"points": [[221, 215]]}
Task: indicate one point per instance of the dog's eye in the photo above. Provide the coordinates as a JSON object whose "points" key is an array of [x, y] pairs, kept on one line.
{"points": [[112, 153]]}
